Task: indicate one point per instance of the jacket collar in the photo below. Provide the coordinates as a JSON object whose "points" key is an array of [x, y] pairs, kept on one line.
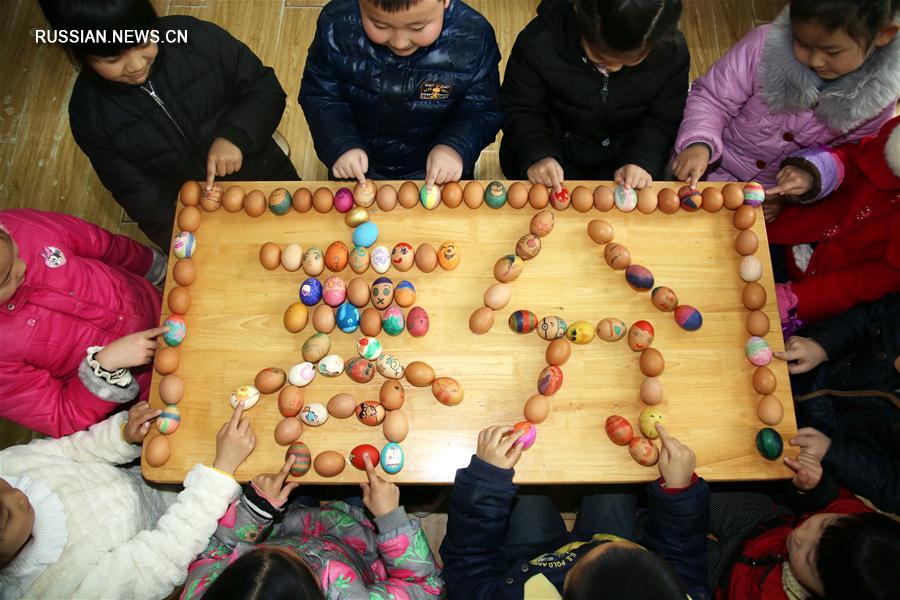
{"points": [[843, 104]]}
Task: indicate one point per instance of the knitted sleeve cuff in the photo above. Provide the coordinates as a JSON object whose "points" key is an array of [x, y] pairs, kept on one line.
{"points": [[827, 171], [116, 386]]}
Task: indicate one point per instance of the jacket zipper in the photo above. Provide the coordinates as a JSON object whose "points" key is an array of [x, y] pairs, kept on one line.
{"points": [[604, 93], [162, 105]]}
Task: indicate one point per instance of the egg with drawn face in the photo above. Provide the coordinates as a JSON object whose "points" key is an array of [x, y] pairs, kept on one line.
{"points": [[382, 293], [402, 256], [640, 335], [313, 262], [381, 259], [359, 259], [448, 256]]}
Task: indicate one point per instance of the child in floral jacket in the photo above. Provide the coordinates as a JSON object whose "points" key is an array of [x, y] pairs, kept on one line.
{"points": [[263, 549]]}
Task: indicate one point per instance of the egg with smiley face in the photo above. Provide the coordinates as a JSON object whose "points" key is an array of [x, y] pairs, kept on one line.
{"points": [[382, 293], [402, 256], [313, 262], [640, 335], [448, 256]]}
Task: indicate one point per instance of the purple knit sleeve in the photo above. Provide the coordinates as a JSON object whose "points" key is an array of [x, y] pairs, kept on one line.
{"points": [[825, 167]]}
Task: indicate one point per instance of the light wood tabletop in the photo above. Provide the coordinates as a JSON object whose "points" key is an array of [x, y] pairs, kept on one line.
{"points": [[235, 329]]}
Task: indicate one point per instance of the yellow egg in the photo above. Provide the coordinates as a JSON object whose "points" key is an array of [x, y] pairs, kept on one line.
{"points": [[395, 426], [650, 416]]}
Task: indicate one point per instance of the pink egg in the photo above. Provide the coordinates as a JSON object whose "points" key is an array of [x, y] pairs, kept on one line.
{"points": [[343, 200]]}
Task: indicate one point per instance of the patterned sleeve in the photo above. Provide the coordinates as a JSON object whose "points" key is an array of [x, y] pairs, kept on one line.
{"points": [[410, 565]]}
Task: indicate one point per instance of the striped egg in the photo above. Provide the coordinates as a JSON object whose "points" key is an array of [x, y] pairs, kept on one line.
{"points": [[754, 194], [302, 458], [169, 420], [523, 321]]}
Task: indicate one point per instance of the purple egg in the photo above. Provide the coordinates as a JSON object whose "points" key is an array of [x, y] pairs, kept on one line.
{"points": [[638, 277], [417, 321], [343, 200], [310, 291], [688, 317], [530, 435]]}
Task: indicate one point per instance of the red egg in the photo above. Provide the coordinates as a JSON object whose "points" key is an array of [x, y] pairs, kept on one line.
{"points": [[619, 430], [357, 456]]}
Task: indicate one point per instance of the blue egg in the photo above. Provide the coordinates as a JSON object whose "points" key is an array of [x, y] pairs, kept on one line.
{"points": [[495, 194], [310, 291], [347, 317], [392, 458], [365, 234], [639, 277]]}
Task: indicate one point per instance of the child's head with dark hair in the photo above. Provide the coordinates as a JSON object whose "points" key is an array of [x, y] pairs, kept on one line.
{"points": [[622, 570], [403, 26], [846, 556], [266, 573], [835, 37], [617, 33]]}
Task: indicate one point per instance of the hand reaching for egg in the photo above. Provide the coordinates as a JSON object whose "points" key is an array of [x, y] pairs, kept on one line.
{"points": [[224, 158], [676, 461], [379, 496], [131, 350], [138, 425], [802, 354], [235, 442], [497, 446], [273, 485], [547, 172], [632, 177], [442, 165]]}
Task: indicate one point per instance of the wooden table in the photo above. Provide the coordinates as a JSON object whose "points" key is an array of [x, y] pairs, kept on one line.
{"points": [[234, 329]]}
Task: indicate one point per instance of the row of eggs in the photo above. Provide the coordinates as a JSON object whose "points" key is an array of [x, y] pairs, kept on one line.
{"points": [[640, 334], [348, 318], [335, 291], [338, 256], [331, 463]]}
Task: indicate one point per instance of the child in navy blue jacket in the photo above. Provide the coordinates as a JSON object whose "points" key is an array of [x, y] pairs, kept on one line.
{"points": [[487, 553], [402, 89]]}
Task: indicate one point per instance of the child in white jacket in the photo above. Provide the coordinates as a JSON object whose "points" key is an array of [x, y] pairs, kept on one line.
{"points": [[75, 525]]}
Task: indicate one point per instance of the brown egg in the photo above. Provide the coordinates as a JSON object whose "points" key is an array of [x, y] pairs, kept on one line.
{"points": [[233, 199], [757, 323], [617, 256], [419, 374], [733, 196], [651, 391], [447, 391], [426, 258], [301, 200], [497, 296], [746, 242], [323, 200], [538, 196], [744, 217], [558, 352], [753, 296], [342, 406], [179, 300], [184, 272], [408, 194], [189, 218], [255, 203], [295, 317], [386, 197], [600, 231], [336, 256], [517, 195], [288, 431], [270, 380], [211, 200], [473, 194], [712, 199], [370, 322], [769, 410], [166, 360], [157, 450], [668, 201], [290, 401], [358, 292], [603, 198], [270, 255], [392, 394], [582, 199], [190, 193], [481, 320], [171, 389], [329, 463], [395, 426], [647, 200], [764, 381], [452, 194], [652, 362], [537, 408], [323, 319]]}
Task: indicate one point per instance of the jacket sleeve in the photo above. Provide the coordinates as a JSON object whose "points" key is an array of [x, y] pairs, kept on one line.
{"points": [[327, 109], [102, 443], [479, 114], [825, 296], [152, 563], [866, 471], [472, 549], [843, 333], [827, 167], [718, 97], [411, 569], [676, 530], [812, 501]]}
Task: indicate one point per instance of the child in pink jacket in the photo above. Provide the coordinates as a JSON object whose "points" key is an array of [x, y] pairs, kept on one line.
{"points": [[78, 308], [822, 73]]}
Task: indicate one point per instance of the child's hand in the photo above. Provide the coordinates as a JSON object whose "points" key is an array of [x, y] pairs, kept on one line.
{"points": [[802, 354], [791, 181], [676, 461], [138, 425], [547, 172], [807, 471], [235, 442], [772, 207], [812, 442], [273, 485], [379, 496], [496, 446], [352, 164], [224, 158], [691, 164], [132, 350], [444, 164], [632, 176]]}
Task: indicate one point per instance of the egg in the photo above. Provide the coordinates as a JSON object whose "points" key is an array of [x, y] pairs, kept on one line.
{"points": [[651, 391], [537, 408], [643, 451], [668, 201], [625, 198], [343, 200], [448, 255], [617, 256], [769, 410], [358, 454], [292, 257], [652, 363], [287, 431], [619, 430], [392, 458], [446, 390], [452, 194], [290, 401], [329, 463], [560, 200], [744, 217], [302, 374], [395, 426], [166, 360], [389, 366], [495, 194], [403, 256], [417, 322], [419, 374], [757, 323], [211, 199], [688, 317], [508, 268], [301, 200], [604, 199], [712, 199], [522, 321], [330, 366], [316, 347], [177, 330], [342, 406], [171, 389], [189, 218], [157, 450], [558, 352], [370, 413], [189, 194], [336, 256], [392, 394], [582, 199], [356, 216], [481, 320], [734, 196], [405, 293], [640, 335], [647, 201], [517, 195], [426, 258], [347, 317], [550, 380], [323, 200], [639, 278], [334, 291], [746, 242], [370, 322], [323, 319], [386, 197], [473, 194], [255, 203], [360, 370], [270, 380], [754, 194], [691, 198], [364, 193], [647, 421], [754, 296], [600, 231], [184, 245], [528, 246], [313, 262], [529, 437], [758, 351], [764, 381], [358, 291], [169, 420], [381, 259], [542, 223], [382, 293], [296, 317], [750, 269], [184, 272], [310, 291], [302, 459], [552, 327], [538, 196], [768, 443], [408, 194], [580, 332], [270, 255], [359, 259], [314, 414], [611, 329], [497, 296], [365, 234], [664, 299], [280, 201], [247, 394]]}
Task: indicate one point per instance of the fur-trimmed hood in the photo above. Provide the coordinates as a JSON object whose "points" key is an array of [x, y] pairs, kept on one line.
{"points": [[844, 104]]}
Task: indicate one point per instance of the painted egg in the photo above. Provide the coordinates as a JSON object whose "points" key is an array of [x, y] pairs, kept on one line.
{"points": [[392, 320], [523, 321], [336, 256], [342, 406], [171, 389], [542, 223], [302, 374], [211, 199], [395, 426], [370, 322], [316, 347], [430, 198], [356, 216], [611, 330], [508, 268], [368, 348], [334, 291], [270, 255], [314, 414], [639, 277], [313, 262], [640, 335], [580, 332], [647, 421], [310, 291], [448, 256], [364, 193], [382, 293], [550, 380], [769, 443], [287, 431], [184, 272], [419, 374], [600, 231], [688, 317], [329, 463], [290, 401], [426, 258], [177, 330], [302, 458], [691, 199], [751, 269], [537, 408], [166, 360], [651, 391], [280, 201], [758, 351], [365, 234], [392, 395], [359, 259], [358, 291], [769, 410], [347, 317], [754, 194], [157, 450], [360, 370], [560, 200], [246, 393], [664, 298], [495, 194], [619, 430], [292, 257], [405, 293], [417, 321], [517, 195], [652, 363], [392, 458], [528, 438], [617, 256], [270, 380], [403, 256], [447, 391], [184, 245], [169, 419], [643, 451], [625, 199], [295, 317], [551, 328], [389, 366], [558, 351], [370, 413], [528, 246], [330, 366], [381, 259], [343, 200], [764, 381], [538, 196], [358, 454]]}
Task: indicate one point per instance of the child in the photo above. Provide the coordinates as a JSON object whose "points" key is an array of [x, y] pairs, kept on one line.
{"points": [[75, 525], [79, 310], [402, 89], [263, 550], [595, 89], [152, 115], [483, 558], [825, 72]]}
